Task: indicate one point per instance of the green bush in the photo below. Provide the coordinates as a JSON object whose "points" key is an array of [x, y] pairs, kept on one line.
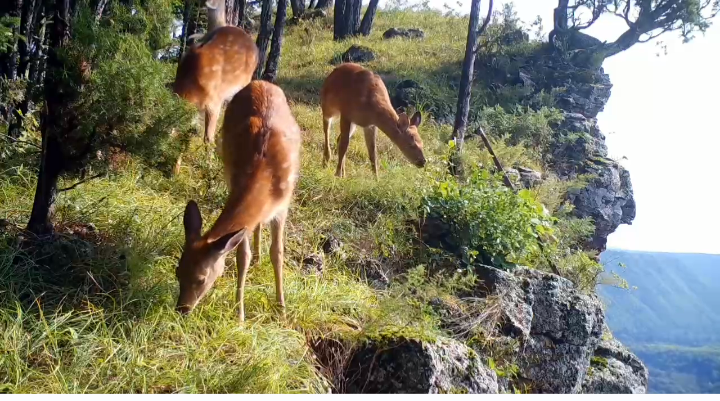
{"points": [[533, 129], [487, 222]]}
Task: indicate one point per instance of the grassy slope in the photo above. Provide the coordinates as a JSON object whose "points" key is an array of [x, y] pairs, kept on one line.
{"points": [[93, 313]]}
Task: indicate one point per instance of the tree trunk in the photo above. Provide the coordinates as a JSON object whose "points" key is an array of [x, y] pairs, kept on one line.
{"points": [[27, 25], [263, 38], [57, 96], [191, 14], [298, 8], [354, 25], [9, 56], [324, 4], [369, 18], [51, 167], [273, 61], [230, 13], [466, 76], [339, 30], [346, 25], [311, 5]]}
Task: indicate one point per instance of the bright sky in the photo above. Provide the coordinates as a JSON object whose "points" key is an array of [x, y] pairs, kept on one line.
{"points": [[661, 117]]}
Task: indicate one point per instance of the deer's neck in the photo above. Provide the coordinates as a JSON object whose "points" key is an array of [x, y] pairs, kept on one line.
{"points": [[216, 17], [240, 211], [387, 120]]}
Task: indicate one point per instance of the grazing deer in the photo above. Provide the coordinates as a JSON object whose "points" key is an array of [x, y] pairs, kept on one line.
{"points": [[360, 97], [261, 154], [216, 67]]}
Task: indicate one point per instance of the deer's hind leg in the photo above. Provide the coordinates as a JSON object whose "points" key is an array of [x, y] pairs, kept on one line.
{"points": [[277, 255], [327, 124], [257, 242]]}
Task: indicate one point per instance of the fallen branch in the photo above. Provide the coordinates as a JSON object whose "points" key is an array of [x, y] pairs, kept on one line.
{"points": [[75, 185]]}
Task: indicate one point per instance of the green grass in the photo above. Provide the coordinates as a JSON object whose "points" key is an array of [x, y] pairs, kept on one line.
{"points": [[92, 311]]}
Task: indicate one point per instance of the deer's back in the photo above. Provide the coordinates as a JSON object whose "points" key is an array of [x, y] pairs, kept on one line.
{"points": [[355, 92], [216, 67], [261, 143]]}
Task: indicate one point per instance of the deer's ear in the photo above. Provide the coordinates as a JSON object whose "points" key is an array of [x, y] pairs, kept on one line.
{"points": [[228, 242], [403, 121], [416, 119], [192, 220]]}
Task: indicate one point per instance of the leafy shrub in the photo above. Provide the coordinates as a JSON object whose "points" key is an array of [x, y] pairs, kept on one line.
{"points": [[124, 104], [486, 221], [531, 128]]}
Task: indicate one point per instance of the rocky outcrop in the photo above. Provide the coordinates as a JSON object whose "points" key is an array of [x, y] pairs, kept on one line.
{"points": [[356, 54], [558, 327], [418, 366], [615, 370], [404, 33], [542, 334]]}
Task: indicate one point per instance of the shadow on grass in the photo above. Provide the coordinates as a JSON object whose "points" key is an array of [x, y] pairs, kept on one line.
{"points": [[75, 268]]}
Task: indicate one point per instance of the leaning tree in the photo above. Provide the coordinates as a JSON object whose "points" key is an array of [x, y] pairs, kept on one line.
{"points": [[645, 20]]}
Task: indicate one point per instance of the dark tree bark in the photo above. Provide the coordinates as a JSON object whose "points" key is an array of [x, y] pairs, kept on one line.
{"points": [[9, 56], [263, 38], [354, 24], [191, 15], [369, 18], [348, 19], [27, 26], [57, 96], [339, 24], [273, 61], [467, 75], [298, 8], [323, 4], [240, 6]]}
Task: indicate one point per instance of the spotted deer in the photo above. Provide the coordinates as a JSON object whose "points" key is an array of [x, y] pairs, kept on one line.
{"points": [[216, 67], [261, 155], [359, 97]]}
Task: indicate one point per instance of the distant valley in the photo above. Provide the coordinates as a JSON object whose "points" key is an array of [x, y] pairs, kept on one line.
{"points": [[670, 317]]}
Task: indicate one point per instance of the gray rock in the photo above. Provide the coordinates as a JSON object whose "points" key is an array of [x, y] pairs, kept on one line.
{"points": [[529, 177], [417, 366], [406, 93], [313, 264], [357, 54], [558, 326], [331, 245], [615, 370], [404, 33], [607, 198]]}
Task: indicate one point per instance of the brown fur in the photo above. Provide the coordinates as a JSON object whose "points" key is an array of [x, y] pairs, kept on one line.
{"points": [[214, 69], [261, 154], [359, 97]]}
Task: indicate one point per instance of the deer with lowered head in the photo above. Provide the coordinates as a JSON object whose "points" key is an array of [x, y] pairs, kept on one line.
{"points": [[261, 155], [359, 97], [216, 67]]}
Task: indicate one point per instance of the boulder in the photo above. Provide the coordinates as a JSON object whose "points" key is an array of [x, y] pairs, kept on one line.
{"points": [[607, 198], [313, 264], [558, 327], [404, 33], [406, 93], [357, 54], [615, 370], [416, 366]]}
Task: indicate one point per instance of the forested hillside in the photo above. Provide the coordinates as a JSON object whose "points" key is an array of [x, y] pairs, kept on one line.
{"points": [[670, 317]]}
